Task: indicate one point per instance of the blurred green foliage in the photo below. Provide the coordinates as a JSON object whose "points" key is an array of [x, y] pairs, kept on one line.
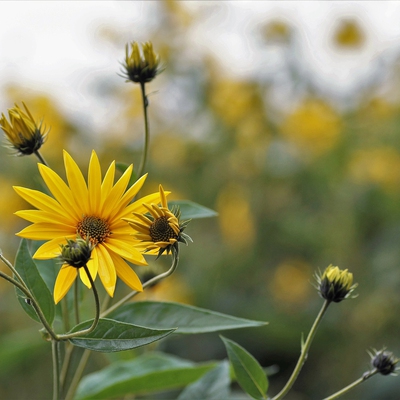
{"points": [[297, 187]]}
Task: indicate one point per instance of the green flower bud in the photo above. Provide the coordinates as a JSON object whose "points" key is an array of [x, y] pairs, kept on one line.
{"points": [[76, 253]]}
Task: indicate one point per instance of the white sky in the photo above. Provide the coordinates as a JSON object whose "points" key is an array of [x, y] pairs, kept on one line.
{"points": [[51, 46]]}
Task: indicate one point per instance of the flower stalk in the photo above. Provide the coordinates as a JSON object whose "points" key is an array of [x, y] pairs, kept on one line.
{"points": [[146, 130]]}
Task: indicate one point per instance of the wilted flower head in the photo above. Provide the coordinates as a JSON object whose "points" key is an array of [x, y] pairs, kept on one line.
{"points": [[161, 230], [384, 361], [76, 253], [140, 66], [25, 135], [335, 284]]}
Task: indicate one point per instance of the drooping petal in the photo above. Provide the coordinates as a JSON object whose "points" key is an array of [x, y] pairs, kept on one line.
{"points": [[78, 183], [93, 266], [64, 281], [106, 271], [94, 184], [125, 250], [51, 249], [59, 190], [126, 273]]}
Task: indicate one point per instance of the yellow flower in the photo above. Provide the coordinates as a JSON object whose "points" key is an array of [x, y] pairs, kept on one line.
{"points": [[161, 231], [335, 284], [24, 134], [141, 66], [93, 211]]}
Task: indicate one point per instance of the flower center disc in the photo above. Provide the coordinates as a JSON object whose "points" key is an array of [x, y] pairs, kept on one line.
{"points": [[95, 228], [160, 231]]}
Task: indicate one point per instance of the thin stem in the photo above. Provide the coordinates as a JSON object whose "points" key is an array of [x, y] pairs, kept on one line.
{"points": [[14, 271], [150, 282], [304, 353], [69, 348], [65, 314], [34, 304], [78, 375], [40, 157], [56, 369], [146, 130], [352, 385], [96, 318], [76, 302]]}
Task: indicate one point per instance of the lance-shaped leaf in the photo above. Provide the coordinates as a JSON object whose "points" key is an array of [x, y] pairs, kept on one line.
{"points": [[187, 319], [30, 275], [214, 385], [248, 371], [111, 335], [191, 210], [149, 373]]}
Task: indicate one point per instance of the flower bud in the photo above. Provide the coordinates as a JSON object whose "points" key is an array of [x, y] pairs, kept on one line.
{"points": [[25, 135], [335, 284], [384, 361], [76, 253], [141, 66]]}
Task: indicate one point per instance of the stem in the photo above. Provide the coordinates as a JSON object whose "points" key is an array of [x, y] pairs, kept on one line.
{"points": [[69, 348], [304, 353], [34, 304], [76, 303], [40, 157], [150, 282], [96, 318], [146, 130], [65, 314], [352, 385], [14, 271], [56, 369], [77, 376]]}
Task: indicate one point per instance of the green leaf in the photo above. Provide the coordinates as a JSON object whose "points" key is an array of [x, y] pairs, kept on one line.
{"points": [[30, 274], [122, 167], [248, 371], [187, 319], [214, 385], [149, 373], [111, 335], [191, 210]]}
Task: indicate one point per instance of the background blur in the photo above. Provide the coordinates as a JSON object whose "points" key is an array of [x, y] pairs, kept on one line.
{"points": [[284, 117]]}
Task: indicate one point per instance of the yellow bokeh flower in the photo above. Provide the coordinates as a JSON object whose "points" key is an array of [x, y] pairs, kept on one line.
{"points": [[25, 135], [349, 34], [161, 230], [93, 211]]}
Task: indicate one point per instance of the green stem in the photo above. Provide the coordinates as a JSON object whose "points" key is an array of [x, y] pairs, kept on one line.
{"points": [[69, 348], [13, 270], [352, 385], [304, 353], [76, 301], [78, 375], [34, 304], [146, 130], [56, 369], [96, 318], [150, 282], [40, 157]]}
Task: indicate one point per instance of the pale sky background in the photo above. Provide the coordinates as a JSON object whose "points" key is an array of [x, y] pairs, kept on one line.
{"points": [[52, 46]]}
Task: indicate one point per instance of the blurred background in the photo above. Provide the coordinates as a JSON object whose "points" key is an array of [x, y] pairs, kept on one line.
{"points": [[284, 117]]}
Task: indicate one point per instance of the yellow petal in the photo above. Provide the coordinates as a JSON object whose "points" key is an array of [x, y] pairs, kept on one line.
{"points": [[60, 191], [77, 182], [107, 271], [51, 248], [41, 201], [125, 250], [93, 266], [94, 184], [46, 231], [138, 207], [114, 197], [42, 216], [126, 273], [107, 184], [64, 281]]}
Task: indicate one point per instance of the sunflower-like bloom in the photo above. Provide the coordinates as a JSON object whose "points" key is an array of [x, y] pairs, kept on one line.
{"points": [[161, 230], [335, 284], [93, 212], [140, 66], [25, 135]]}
